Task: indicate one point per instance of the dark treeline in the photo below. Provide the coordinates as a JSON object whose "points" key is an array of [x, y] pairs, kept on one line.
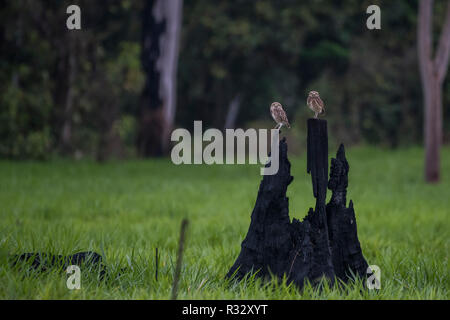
{"points": [[80, 93]]}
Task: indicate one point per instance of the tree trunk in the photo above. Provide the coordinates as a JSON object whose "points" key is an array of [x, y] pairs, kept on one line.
{"points": [[66, 132], [433, 130], [160, 41], [232, 113], [432, 73]]}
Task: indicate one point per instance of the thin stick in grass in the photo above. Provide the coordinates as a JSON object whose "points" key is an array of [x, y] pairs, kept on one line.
{"points": [[176, 277], [156, 264]]}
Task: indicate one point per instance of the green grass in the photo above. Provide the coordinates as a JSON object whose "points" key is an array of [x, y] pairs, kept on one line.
{"points": [[124, 210]]}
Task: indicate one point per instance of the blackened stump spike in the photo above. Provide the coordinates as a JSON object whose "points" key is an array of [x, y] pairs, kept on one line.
{"points": [[340, 155], [317, 157], [318, 165], [346, 251], [268, 240]]}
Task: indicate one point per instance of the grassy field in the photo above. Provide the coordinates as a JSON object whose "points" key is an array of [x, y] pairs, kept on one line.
{"points": [[124, 210]]}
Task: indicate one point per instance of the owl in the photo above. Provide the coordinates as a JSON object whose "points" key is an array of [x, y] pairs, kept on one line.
{"points": [[315, 103], [278, 114]]}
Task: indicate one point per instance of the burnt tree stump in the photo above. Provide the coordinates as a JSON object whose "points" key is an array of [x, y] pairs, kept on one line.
{"points": [[324, 244]]}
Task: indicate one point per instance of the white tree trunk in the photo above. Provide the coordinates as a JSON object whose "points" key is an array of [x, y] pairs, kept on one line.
{"points": [[171, 12]]}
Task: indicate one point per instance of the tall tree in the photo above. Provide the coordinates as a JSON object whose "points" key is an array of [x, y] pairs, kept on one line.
{"points": [[432, 71], [71, 69], [160, 42]]}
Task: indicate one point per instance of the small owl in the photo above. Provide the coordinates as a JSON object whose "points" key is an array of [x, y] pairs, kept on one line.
{"points": [[278, 114], [315, 103]]}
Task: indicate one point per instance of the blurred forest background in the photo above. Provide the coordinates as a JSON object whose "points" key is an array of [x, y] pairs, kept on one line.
{"points": [[82, 93]]}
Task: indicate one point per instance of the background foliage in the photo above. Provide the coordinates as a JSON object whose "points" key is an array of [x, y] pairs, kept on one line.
{"points": [[261, 51]]}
